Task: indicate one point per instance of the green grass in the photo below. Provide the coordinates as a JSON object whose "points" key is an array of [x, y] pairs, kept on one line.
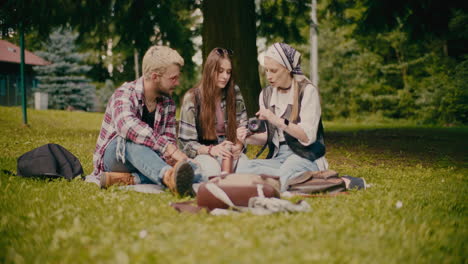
{"points": [[425, 168]]}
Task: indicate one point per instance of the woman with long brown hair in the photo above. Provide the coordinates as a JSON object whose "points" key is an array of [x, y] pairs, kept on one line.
{"points": [[210, 114]]}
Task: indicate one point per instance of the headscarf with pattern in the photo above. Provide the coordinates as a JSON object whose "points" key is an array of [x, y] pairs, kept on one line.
{"points": [[288, 57]]}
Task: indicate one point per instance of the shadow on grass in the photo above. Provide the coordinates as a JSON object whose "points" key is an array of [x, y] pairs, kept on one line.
{"points": [[434, 147]]}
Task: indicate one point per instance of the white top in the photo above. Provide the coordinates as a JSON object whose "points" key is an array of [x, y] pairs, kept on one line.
{"points": [[280, 104], [310, 115]]}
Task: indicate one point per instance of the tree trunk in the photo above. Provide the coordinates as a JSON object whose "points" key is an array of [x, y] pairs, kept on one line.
{"points": [[22, 85], [231, 24], [313, 44], [137, 66]]}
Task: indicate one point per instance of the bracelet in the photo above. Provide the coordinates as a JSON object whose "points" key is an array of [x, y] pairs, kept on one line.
{"points": [[209, 150], [170, 155]]}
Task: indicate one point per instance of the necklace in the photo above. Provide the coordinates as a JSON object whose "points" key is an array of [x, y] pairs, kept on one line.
{"points": [[150, 105], [281, 89]]}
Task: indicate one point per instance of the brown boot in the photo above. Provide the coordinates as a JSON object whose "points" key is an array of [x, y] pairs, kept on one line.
{"points": [[111, 178], [179, 179]]}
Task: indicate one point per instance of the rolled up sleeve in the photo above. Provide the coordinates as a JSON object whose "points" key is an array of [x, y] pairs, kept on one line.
{"points": [[241, 111], [310, 114], [188, 135]]}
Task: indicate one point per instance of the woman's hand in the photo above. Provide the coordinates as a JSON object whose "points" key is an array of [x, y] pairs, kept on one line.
{"points": [[242, 134], [265, 114], [237, 150], [222, 150]]}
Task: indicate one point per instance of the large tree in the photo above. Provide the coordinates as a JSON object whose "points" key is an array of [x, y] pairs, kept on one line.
{"points": [[231, 24]]}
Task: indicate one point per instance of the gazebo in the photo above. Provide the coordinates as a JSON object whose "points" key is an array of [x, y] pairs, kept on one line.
{"points": [[10, 91]]}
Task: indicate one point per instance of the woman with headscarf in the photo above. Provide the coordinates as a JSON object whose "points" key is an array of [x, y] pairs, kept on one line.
{"points": [[291, 107]]}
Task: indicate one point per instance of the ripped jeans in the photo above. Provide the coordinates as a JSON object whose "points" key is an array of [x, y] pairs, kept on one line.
{"points": [[141, 161], [285, 164]]}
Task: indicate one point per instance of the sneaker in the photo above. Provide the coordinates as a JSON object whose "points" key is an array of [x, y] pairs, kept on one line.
{"points": [[179, 178], [121, 178]]}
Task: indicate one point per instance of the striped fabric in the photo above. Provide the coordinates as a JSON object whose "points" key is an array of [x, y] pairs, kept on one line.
{"points": [[123, 118], [188, 135]]}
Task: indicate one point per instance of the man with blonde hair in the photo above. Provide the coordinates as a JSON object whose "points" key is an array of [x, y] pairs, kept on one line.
{"points": [[137, 142]]}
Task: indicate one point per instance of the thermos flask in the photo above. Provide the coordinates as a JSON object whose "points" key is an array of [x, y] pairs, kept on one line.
{"points": [[226, 164]]}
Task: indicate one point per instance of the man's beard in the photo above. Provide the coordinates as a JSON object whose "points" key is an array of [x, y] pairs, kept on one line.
{"points": [[161, 91]]}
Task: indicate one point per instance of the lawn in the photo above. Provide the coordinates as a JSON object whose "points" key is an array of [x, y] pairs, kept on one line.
{"points": [[423, 170]]}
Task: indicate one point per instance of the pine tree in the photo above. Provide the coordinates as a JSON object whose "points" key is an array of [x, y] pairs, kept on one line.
{"points": [[103, 95], [64, 78]]}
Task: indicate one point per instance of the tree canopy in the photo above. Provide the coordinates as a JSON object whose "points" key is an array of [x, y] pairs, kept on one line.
{"points": [[395, 59]]}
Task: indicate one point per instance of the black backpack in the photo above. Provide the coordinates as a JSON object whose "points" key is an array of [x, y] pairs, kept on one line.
{"points": [[49, 161]]}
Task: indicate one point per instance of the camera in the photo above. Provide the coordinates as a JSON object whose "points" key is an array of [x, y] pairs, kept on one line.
{"points": [[255, 125]]}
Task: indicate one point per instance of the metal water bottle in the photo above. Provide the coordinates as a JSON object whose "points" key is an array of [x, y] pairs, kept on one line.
{"points": [[226, 164]]}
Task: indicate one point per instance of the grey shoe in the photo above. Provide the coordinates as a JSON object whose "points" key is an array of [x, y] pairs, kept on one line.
{"points": [[354, 182]]}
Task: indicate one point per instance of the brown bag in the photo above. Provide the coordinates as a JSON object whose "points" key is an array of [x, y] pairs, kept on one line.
{"points": [[239, 188], [317, 182]]}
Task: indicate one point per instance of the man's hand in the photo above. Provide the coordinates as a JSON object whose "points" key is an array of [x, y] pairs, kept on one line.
{"points": [[178, 155], [170, 161], [172, 155]]}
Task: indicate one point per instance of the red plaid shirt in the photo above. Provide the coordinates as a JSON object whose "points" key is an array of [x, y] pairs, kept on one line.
{"points": [[123, 118]]}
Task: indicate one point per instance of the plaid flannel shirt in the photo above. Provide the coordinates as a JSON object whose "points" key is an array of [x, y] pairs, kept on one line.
{"points": [[188, 135], [123, 118]]}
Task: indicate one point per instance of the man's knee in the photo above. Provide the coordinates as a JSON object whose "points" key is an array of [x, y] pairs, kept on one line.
{"points": [[132, 146]]}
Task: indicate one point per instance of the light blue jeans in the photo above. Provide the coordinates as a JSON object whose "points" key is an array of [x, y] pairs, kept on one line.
{"points": [[210, 166], [142, 162], [285, 164]]}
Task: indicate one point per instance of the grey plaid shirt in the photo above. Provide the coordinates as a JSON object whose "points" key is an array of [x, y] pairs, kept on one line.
{"points": [[188, 135]]}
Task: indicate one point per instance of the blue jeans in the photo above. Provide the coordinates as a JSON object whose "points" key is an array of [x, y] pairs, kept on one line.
{"points": [[141, 161], [285, 164]]}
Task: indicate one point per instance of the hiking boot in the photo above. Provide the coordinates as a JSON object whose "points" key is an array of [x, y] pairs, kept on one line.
{"points": [[179, 178], [111, 178]]}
